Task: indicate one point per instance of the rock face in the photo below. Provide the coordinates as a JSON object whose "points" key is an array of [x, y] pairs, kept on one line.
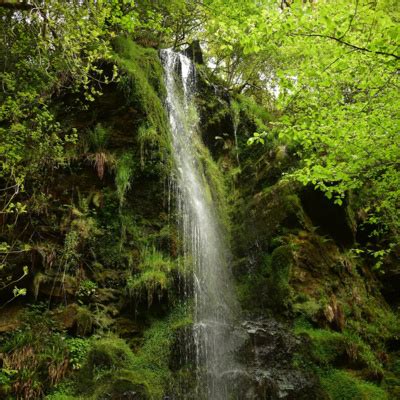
{"points": [[270, 374], [265, 371]]}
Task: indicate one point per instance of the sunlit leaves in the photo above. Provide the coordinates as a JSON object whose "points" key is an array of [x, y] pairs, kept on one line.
{"points": [[336, 65]]}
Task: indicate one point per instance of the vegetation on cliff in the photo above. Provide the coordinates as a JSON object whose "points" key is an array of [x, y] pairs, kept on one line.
{"points": [[298, 104]]}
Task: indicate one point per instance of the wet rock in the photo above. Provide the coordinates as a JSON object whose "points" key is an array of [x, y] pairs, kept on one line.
{"points": [[270, 373]]}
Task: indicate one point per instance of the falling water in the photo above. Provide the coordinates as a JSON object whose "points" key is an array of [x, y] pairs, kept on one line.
{"points": [[235, 120], [204, 245]]}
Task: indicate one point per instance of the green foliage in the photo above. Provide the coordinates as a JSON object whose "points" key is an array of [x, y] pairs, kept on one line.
{"points": [[318, 78], [34, 358], [166, 23], [124, 173], [86, 289], [111, 365], [247, 108], [328, 74], [77, 351], [82, 228], [38, 64], [154, 277], [257, 138], [99, 137]]}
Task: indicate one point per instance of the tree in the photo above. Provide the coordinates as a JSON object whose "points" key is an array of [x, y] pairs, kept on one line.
{"points": [[336, 65]]}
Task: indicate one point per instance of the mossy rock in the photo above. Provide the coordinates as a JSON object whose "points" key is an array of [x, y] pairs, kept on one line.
{"points": [[54, 285], [342, 385], [123, 389], [142, 82], [145, 372], [341, 350], [281, 267], [108, 354], [272, 212]]}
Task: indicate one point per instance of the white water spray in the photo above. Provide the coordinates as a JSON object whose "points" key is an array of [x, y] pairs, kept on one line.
{"points": [[215, 304]]}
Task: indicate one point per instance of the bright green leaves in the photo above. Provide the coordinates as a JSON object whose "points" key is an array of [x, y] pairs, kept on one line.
{"points": [[335, 69], [257, 138]]}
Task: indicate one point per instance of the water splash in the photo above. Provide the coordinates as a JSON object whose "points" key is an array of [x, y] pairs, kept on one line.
{"points": [[203, 239]]}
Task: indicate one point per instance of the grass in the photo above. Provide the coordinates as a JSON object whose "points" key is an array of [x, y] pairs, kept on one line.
{"points": [[123, 176], [154, 277]]}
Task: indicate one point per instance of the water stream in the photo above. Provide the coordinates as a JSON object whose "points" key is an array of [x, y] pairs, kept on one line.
{"points": [[206, 252]]}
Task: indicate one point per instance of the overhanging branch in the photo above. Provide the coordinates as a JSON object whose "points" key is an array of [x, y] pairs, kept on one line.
{"points": [[353, 46]]}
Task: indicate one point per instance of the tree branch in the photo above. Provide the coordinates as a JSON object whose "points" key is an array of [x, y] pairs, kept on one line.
{"points": [[353, 46]]}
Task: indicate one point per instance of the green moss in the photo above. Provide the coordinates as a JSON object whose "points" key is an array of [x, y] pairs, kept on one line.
{"points": [[253, 288], [326, 346], [268, 285], [342, 385], [106, 354], [142, 82], [280, 267], [270, 215], [148, 138], [374, 321], [309, 308], [84, 321], [250, 110], [216, 186], [61, 396], [335, 348], [154, 356]]}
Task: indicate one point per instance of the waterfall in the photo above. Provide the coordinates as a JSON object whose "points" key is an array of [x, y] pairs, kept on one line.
{"points": [[215, 306], [235, 115]]}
